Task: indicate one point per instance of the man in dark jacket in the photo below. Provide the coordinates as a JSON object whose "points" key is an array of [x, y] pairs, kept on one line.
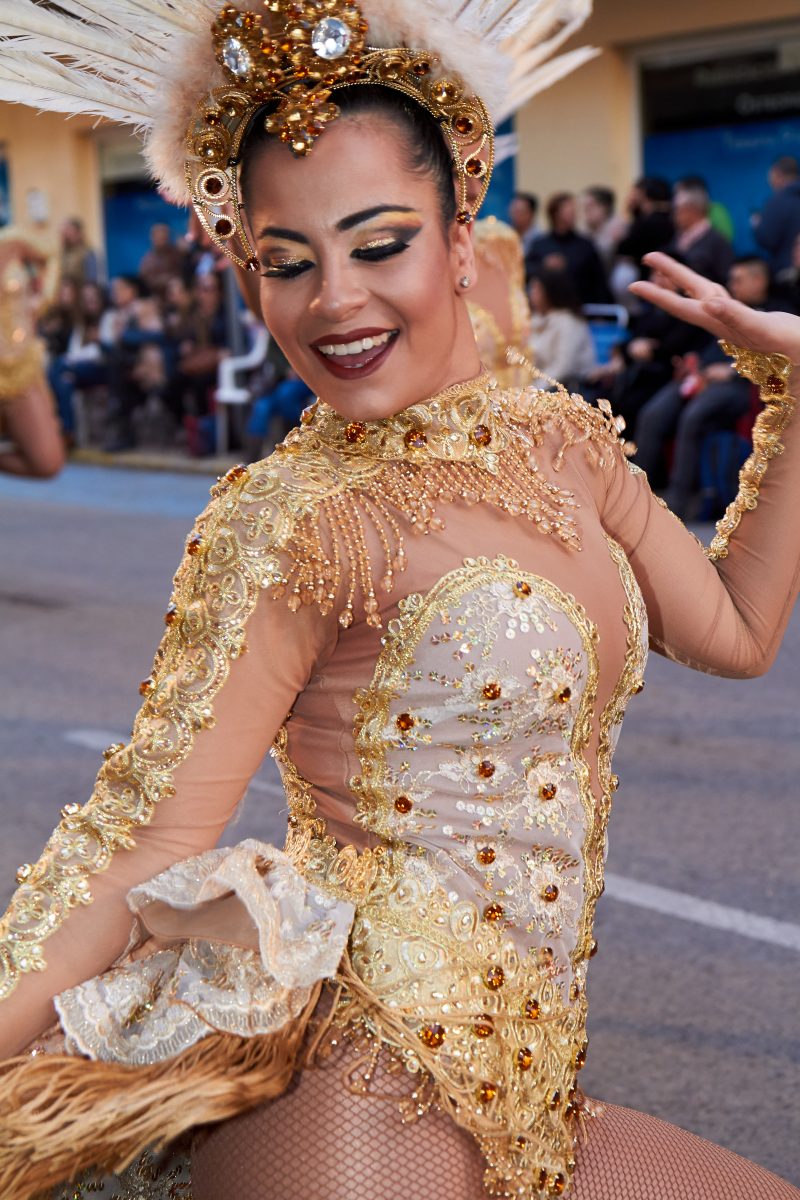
{"points": [[696, 243], [777, 226], [562, 249], [650, 208]]}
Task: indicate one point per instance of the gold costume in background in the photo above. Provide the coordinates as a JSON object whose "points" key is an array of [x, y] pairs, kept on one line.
{"points": [[500, 314]]}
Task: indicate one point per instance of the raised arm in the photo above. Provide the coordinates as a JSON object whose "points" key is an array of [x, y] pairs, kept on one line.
{"points": [[723, 610], [225, 676]]}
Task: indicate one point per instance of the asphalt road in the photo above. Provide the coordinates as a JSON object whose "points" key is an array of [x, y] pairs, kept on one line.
{"points": [[694, 994]]}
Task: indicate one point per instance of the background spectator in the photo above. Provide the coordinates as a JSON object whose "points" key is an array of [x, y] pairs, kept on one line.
{"points": [[604, 227], [718, 214], [564, 249], [163, 261], [651, 227], [522, 214], [696, 243], [78, 261], [560, 338], [777, 226]]}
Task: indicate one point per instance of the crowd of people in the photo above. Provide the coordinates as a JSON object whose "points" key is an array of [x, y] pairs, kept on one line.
{"points": [[143, 354], [685, 409]]}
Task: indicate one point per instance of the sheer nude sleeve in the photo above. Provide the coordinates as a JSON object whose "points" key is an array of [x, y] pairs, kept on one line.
{"points": [[722, 612], [231, 664]]}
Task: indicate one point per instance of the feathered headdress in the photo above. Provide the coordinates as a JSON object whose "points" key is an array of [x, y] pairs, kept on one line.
{"points": [[190, 77]]}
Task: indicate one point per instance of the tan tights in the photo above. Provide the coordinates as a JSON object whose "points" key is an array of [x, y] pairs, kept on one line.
{"points": [[320, 1142]]}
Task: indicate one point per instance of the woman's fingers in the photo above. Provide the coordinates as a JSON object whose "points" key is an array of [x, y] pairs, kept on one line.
{"points": [[767, 332], [682, 277], [682, 307]]}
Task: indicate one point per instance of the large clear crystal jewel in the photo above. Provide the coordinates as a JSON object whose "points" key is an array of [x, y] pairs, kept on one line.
{"points": [[236, 57], [331, 38]]}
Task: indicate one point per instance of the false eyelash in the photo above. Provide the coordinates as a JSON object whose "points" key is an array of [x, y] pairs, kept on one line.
{"points": [[286, 270], [378, 251]]}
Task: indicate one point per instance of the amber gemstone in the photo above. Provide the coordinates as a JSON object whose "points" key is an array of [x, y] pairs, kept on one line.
{"points": [[252, 264], [195, 545], [546, 955], [236, 472], [615, 783], [421, 68], [147, 686], [580, 1059], [213, 185], [522, 589], [775, 385], [494, 978], [486, 856], [475, 167], [432, 1035], [355, 432], [557, 1184], [464, 125], [214, 117], [415, 439], [405, 722], [171, 615], [492, 691], [554, 1100], [593, 949], [532, 1009], [444, 92], [525, 1058], [403, 804], [520, 1142], [487, 1091], [464, 218], [483, 1027], [550, 893], [482, 435], [486, 768], [493, 912], [548, 791], [638, 688], [564, 696]]}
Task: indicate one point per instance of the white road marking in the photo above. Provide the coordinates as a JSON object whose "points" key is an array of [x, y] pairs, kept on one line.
{"points": [[703, 912], [678, 905]]}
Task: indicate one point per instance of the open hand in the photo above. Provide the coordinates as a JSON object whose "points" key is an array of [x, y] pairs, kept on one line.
{"points": [[707, 304]]}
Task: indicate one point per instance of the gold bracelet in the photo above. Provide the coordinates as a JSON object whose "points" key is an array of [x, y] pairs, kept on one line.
{"points": [[770, 373]]}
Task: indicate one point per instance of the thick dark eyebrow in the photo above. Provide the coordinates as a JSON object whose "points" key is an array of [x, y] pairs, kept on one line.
{"points": [[346, 223]]}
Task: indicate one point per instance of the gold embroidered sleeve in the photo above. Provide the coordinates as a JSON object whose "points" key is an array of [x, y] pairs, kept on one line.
{"points": [[234, 556]]}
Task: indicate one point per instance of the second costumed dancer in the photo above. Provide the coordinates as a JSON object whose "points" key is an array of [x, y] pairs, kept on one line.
{"points": [[433, 601]]}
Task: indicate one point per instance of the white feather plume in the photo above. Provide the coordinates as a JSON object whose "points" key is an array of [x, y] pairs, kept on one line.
{"points": [[147, 63]]}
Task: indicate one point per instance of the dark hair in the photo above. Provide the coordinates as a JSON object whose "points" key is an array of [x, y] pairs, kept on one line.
{"points": [[529, 199], [427, 150], [604, 197], [555, 203], [754, 260], [558, 288], [655, 189], [693, 181]]}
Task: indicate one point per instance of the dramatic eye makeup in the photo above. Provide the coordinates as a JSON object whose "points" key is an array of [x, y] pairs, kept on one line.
{"points": [[388, 237]]}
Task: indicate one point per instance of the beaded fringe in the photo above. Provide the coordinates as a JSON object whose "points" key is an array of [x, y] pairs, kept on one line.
{"points": [[61, 1115], [330, 548]]}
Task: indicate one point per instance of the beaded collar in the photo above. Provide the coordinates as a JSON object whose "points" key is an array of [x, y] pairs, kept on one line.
{"points": [[464, 423]]}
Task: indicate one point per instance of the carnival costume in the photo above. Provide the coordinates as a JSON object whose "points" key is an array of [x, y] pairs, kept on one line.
{"points": [[437, 620], [502, 344]]}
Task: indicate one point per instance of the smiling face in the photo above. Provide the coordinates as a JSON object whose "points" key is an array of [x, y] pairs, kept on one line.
{"points": [[361, 281]]}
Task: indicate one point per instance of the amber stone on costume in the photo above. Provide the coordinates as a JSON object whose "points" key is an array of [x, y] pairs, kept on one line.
{"points": [[214, 117], [774, 385], [492, 691], [194, 546], [554, 1100], [557, 1184], [486, 768], [487, 1091], [546, 955], [550, 893], [355, 432], [223, 227], [580, 1059], [520, 1142], [592, 949], [522, 589], [525, 1058], [564, 696], [464, 218], [213, 185], [113, 749], [493, 912], [421, 68], [24, 872], [147, 686], [486, 856], [638, 688], [444, 92], [236, 472], [464, 125], [482, 435], [615, 783], [252, 264], [415, 439], [494, 978], [403, 805], [405, 722], [171, 615], [483, 1027], [548, 791], [475, 167], [432, 1035], [532, 1009]]}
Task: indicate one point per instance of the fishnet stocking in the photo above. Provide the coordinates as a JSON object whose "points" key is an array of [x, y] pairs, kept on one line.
{"points": [[321, 1142]]}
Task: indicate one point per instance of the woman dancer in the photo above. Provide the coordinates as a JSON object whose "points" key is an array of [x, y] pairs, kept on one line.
{"points": [[433, 602]]}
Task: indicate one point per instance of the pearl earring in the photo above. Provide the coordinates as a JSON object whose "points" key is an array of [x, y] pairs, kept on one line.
{"points": [[465, 281]]}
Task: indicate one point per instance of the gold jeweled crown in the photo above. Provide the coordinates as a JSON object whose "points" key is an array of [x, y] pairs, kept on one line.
{"points": [[292, 58]]}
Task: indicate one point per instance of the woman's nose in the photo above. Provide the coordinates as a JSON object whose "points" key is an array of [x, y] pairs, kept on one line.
{"points": [[339, 296]]}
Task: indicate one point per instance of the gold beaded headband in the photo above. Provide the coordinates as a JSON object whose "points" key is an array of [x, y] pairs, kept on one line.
{"points": [[289, 62]]}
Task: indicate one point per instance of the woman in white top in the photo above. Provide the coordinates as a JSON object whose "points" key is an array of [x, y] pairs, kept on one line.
{"points": [[560, 338]]}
